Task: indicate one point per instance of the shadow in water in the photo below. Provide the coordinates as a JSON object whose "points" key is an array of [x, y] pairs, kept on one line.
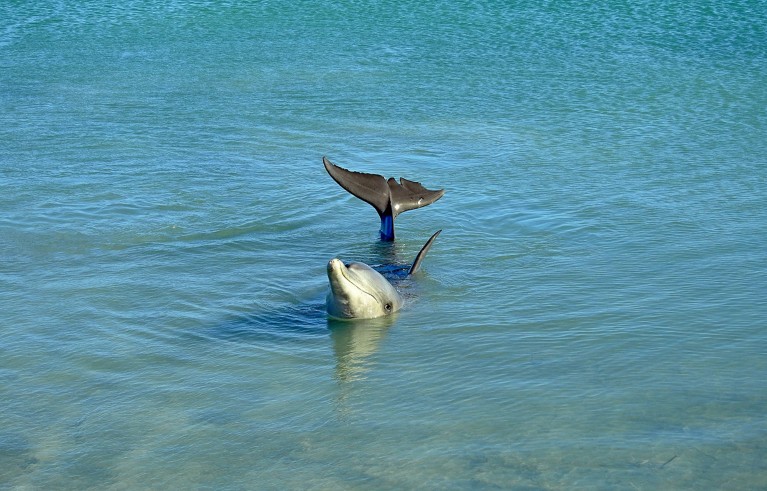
{"points": [[273, 327], [291, 329], [305, 330]]}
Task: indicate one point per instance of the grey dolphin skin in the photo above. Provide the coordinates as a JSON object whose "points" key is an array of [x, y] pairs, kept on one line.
{"points": [[357, 291], [388, 197]]}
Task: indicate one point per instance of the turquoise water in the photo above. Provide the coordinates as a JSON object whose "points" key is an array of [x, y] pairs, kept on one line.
{"points": [[592, 316]]}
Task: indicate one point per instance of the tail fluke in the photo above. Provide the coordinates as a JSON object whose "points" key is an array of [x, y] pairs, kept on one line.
{"points": [[388, 197], [422, 253]]}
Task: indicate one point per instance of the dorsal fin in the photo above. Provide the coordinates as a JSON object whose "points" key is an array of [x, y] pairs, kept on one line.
{"points": [[422, 253]]}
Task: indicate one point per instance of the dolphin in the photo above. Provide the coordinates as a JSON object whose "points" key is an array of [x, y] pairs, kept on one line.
{"points": [[388, 197], [358, 291]]}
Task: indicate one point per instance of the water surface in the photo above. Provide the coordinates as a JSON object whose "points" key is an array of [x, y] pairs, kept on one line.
{"points": [[592, 315]]}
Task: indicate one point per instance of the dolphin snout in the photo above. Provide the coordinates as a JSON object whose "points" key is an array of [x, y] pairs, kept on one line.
{"points": [[335, 264]]}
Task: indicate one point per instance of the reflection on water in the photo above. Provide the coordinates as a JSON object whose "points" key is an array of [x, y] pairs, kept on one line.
{"points": [[354, 342]]}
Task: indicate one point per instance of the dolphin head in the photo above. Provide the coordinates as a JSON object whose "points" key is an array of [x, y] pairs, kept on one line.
{"points": [[357, 291]]}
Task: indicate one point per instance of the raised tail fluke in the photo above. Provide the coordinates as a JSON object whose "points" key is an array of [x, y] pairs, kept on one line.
{"points": [[388, 197], [422, 253]]}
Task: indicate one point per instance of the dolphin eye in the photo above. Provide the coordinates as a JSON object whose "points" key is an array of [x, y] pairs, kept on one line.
{"points": [[387, 307]]}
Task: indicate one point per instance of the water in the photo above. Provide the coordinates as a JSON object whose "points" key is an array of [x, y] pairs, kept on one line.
{"points": [[592, 316]]}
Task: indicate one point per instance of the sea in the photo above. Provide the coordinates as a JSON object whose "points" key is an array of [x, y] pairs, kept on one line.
{"points": [[592, 316]]}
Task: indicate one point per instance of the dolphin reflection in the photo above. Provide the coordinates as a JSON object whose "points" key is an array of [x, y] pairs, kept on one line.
{"points": [[354, 343]]}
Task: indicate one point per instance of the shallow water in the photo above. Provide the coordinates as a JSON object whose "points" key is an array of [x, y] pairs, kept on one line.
{"points": [[592, 315]]}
